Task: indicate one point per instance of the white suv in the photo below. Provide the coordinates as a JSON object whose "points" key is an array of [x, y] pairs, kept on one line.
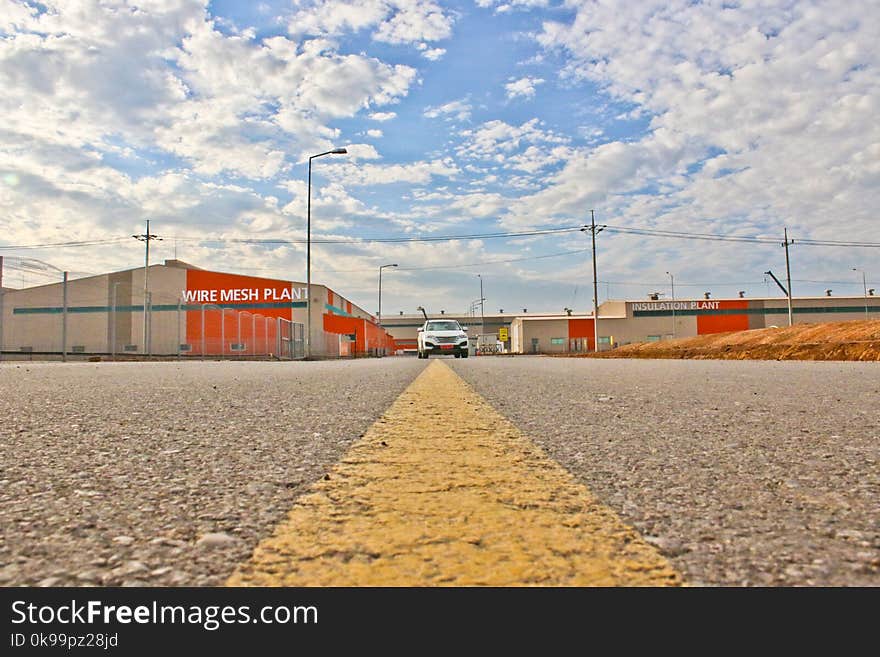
{"points": [[442, 336]]}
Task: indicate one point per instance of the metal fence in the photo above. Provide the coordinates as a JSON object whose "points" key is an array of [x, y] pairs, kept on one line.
{"points": [[291, 339]]}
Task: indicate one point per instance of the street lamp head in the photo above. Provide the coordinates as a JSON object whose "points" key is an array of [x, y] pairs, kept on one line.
{"points": [[335, 151]]}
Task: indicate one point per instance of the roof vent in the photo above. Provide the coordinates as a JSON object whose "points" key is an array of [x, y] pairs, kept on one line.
{"points": [[707, 295], [827, 293]]}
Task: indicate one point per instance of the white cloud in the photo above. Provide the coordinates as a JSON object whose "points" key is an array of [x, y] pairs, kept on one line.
{"points": [[502, 6], [223, 103], [760, 112], [391, 21], [480, 204], [360, 152], [499, 141], [433, 54], [385, 174], [524, 87], [709, 117], [456, 109]]}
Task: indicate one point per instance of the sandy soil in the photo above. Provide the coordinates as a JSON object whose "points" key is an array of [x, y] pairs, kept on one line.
{"points": [[857, 340]]}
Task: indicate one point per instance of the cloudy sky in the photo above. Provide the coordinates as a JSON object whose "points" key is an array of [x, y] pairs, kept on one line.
{"points": [[461, 118]]}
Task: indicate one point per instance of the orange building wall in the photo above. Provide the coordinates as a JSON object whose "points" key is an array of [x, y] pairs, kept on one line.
{"points": [[214, 318], [582, 328], [723, 323]]}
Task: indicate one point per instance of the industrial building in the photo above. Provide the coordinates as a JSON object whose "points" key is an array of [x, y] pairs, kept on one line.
{"points": [[625, 322], [177, 309]]}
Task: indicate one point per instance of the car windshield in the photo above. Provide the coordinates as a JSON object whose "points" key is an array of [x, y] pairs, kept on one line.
{"points": [[443, 326]]}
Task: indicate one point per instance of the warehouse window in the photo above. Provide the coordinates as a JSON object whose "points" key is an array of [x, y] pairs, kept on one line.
{"points": [[654, 338], [557, 340], [604, 339]]}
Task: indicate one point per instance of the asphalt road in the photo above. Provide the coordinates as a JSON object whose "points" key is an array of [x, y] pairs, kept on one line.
{"points": [[168, 473], [741, 472]]}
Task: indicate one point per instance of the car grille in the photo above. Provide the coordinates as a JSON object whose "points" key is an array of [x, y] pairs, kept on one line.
{"points": [[446, 340]]}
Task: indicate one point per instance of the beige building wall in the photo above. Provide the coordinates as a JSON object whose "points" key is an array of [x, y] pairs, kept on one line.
{"points": [[166, 324], [33, 318], [538, 336]]}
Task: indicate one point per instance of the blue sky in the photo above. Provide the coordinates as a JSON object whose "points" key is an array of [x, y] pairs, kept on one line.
{"points": [[460, 118]]}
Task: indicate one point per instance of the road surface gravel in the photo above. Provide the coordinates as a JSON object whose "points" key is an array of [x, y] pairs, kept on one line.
{"points": [[743, 473], [168, 473]]}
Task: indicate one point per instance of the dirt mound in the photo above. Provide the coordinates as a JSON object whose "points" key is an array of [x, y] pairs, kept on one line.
{"points": [[857, 340]]}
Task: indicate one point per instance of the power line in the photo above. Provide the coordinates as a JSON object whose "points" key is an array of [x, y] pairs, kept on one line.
{"points": [[690, 236], [655, 232], [111, 240], [387, 240], [646, 232]]}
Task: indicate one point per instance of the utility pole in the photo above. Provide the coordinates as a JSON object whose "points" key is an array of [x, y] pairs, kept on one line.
{"points": [[788, 274], [64, 320], [482, 307], [672, 282], [145, 238], [112, 348], [179, 304], [593, 230]]}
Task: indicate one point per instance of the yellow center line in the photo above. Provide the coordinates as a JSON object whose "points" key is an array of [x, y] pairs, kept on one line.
{"points": [[442, 490]]}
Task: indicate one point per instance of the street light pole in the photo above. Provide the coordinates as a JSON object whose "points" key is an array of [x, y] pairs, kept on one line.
{"points": [[335, 151], [379, 315], [672, 281], [865, 286]]}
